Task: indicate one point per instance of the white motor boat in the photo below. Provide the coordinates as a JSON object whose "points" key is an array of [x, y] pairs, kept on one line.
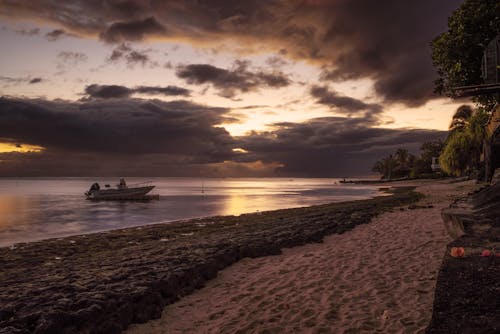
{"points": [[121, 192]]}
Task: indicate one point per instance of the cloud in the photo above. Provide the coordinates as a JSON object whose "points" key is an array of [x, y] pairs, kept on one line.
{"points": [[150, 137], [70, 59], [12, 80], [107, 91], [229, 82], [116, 91], [330, 146], [28, 32], [387, 41], [276, 62], [18, 80], [136, 30], [123, 127], [35, 80], [131, 56], [344, 104], [167, 91], [57, 34]]}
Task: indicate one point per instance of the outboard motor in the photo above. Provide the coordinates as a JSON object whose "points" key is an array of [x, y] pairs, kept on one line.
{"points": [[94, 187]]}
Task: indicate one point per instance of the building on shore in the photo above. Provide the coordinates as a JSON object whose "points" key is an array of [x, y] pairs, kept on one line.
{"points": [[435, 165]]}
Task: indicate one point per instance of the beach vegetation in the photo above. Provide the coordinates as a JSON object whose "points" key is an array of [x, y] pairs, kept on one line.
{"points": [[403, 164], [388, 167], [463, 147]]}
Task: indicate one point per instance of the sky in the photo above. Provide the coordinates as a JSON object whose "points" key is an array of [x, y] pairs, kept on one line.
{"points": [[221, 88]]}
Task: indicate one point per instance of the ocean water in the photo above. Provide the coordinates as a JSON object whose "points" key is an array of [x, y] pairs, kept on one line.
{"points": [[40, 208]]}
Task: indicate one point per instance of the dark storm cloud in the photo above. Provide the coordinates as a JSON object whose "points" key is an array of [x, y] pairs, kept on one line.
{"points": [[116, 91], [107, 91], [120, 126], [387, 41], [229, 82], [119, 32], [342, 103], [330, 146], [134, 136]]}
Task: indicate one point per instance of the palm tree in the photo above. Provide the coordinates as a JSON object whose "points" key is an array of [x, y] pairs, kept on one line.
{"points": [[463, 147], [461, 118], [386, 167], [378, 167], [390, 164], [402, 156]]}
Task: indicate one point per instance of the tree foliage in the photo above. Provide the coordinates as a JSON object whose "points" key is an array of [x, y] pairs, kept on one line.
{"points": [[430, 150], [404, 164], [456, 156], [461, 118], [457, 53], [388, 167], [464, 145]]}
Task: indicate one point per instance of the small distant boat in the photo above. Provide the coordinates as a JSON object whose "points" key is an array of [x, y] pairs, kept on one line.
{"points": [[121, 192]]}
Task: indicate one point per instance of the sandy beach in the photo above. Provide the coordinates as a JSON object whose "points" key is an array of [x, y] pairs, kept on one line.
{"points": [[378, 277]]}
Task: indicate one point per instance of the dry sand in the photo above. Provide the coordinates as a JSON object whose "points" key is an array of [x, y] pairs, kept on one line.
{"points": [[377, 278]]}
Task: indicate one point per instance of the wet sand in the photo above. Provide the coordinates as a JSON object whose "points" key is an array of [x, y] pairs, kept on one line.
{"points": [[379, 277]]}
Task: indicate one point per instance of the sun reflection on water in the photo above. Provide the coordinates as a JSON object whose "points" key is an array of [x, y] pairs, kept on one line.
{"points": [[10, 205]]}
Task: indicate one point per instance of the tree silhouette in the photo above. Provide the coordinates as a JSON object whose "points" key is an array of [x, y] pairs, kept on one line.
{"points": [[457, 53]]}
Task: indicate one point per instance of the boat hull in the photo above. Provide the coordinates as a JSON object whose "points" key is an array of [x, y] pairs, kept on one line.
{"points": [[119, 194]]}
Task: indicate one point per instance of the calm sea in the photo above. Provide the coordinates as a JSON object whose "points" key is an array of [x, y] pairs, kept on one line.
{"points": [[40, 208]]}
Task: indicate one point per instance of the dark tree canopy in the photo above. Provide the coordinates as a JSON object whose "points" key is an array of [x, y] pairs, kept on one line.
{"points": [[457, 53], [462, 151]]}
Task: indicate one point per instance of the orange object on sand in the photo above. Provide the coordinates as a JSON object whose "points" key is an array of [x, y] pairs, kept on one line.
{"points": [[457, 252]]}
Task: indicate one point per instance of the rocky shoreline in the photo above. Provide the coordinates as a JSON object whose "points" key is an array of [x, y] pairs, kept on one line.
{"points": [[103, 282]]}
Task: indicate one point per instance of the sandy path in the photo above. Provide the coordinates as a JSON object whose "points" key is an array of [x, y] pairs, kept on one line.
{"points": [[377, 278]]}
